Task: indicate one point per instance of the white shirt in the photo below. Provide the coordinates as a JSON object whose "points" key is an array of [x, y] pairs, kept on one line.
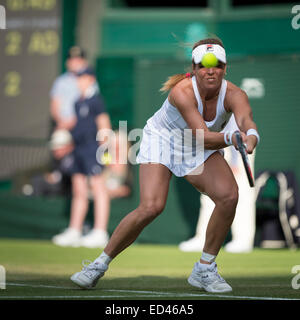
{"points": [[66, 90]]}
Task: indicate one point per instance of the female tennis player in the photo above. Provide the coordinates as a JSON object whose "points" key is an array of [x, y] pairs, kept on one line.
{"points": [[201, 101]]}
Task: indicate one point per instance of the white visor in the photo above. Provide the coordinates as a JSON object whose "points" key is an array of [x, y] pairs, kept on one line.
{"points": [[201, 50]]}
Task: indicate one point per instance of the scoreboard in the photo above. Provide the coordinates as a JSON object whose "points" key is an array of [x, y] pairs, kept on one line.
{"points": [[29, 63]]}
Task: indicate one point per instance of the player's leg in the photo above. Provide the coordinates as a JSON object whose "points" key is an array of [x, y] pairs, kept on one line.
{"points": [[207, 207], [243, 226], [197, 242], [154, 186], [218, 182]]}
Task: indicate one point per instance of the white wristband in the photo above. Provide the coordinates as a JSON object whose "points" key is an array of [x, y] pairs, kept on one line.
{"points": [[253, 132], [228, 137]]}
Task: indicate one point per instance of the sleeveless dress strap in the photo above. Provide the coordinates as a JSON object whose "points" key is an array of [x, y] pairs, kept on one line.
{"points": [[222, 94], [197, 94]]}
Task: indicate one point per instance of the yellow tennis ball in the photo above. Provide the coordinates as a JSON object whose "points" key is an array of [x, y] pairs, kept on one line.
{"points": [[209, 60], [106, 158]]}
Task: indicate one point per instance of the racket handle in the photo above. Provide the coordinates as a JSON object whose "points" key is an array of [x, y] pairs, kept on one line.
{"points": [[238, 139], [243, 152]]}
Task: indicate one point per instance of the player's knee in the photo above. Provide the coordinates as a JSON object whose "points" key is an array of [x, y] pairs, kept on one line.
{"points": [[150, 209], [228, 199], [232, 197]]}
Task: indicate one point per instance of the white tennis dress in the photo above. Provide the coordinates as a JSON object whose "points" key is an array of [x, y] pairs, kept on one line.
{"points": [[168, 140]]}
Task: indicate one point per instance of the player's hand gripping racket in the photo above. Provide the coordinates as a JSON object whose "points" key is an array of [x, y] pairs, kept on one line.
{"points": [[244, 154]]}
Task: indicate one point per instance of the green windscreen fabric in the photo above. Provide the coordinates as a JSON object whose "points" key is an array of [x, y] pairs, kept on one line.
{"points": [[170, 34], [69, 21], [115, 76], [276, 111]]}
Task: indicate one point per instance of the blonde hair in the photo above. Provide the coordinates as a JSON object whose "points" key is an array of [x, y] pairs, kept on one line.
{"points": [[173, 80]]}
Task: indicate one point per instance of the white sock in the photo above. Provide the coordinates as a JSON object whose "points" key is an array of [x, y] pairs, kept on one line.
{"points": [[207, 257], [104, 258]]}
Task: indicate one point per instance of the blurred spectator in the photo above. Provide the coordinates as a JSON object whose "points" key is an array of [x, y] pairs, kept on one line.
{"points": [[62, 146], [63, 95], [57, 182], [118, 173], [87, 171], [61, 143], [243, 226], [65, 91]]}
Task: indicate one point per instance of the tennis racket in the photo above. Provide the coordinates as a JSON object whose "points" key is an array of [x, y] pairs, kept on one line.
{"points": [[244, 154]]}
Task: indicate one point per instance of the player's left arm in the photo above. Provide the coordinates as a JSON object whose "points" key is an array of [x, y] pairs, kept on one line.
{"points": [[239, 105]]}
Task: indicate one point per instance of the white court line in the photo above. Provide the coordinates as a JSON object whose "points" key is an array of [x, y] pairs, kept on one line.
{"points": [[140, 294], [70, 288], [139, 291], [161, 294], [36, 286]]}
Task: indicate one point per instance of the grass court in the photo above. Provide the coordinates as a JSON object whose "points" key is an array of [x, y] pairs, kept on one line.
{"points": [[41, 270]]}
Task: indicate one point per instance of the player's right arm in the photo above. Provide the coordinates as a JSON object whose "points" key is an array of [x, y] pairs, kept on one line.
{"points": [[182, 97]]}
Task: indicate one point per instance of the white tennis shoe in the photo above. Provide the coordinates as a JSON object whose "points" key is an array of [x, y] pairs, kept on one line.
{"points": [[91, 272], [208, 278]]}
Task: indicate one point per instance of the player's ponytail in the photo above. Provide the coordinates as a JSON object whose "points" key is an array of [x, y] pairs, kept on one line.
{"points": [[173, 80]]}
